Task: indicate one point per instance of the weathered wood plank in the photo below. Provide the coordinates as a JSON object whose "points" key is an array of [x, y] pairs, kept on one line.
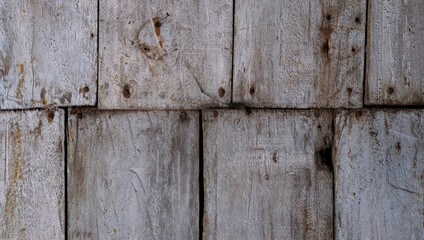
{"points": [[32, 175], [165, 54], [133, 175], [47, 53], [299, 54], [379, 174], [395, 62], [265, 176]]}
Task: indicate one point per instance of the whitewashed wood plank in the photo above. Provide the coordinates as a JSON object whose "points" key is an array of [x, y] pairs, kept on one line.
{"points": [[395, 62], [133, 175], [32, 175], [265, 176], [165, 54], [48, 53], [299, 54], [379, 172]]}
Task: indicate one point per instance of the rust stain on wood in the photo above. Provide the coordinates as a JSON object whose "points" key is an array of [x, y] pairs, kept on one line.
{"points": [[21, 69], [71, 134], [15, 177], [21, 81], [42, 97]]}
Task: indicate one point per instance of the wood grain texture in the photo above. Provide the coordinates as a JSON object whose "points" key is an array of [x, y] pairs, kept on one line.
{"points": [[395, 62], [379, 172], [165, 54], [265, 176], [133, 175], [299, 54], [47, 53], [32, 175]]}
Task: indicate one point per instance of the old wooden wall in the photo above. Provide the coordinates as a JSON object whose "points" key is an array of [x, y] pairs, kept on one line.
{"points": [[199, 119]]}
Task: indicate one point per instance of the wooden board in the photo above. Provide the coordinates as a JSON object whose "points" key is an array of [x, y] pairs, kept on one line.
{"points": [[48, 53], [165, 54], [395, 63], [379, 174], [133, 175], [265, 175], [299, 54], [32, 175]]}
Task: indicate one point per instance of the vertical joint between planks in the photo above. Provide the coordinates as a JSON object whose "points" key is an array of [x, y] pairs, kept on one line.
{"points": [[232, 51], [201, 183], [333, 157], [98, 53], [364, 80], [65, 172]]}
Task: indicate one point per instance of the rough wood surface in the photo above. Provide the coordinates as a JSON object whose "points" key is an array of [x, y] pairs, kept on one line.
{"points": [[379, 172], [32, 175], [299, 54], [47, 53], [265, 176], [133, 175], [165, 54], [395, 62]]}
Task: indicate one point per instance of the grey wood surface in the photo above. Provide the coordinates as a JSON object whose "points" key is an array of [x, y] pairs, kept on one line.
{"points": [[47, 53], [265, 176], [32, 175], [133, 175], [299, 54], [395, 62], [165, 54], [379, 172]]}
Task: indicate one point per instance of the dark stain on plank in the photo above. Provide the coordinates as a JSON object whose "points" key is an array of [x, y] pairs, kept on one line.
{"points": [[324, 157]]}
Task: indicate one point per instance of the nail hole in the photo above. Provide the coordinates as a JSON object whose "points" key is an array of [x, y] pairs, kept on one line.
{"points": [[50, 116], [358, 20], [158, 24], [85, 89], [328, 17], [349, 90], [215, 113], [267, 177], [126, 91], [183, 115], [353, 49], [221, 92], [252, 90], [390, 90]]}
